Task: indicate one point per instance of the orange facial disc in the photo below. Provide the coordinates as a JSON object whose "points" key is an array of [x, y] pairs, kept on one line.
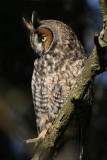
{"points": [[46, 32]]}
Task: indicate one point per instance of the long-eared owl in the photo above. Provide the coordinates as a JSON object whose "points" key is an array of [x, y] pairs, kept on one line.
{"points": [[61, 59]]}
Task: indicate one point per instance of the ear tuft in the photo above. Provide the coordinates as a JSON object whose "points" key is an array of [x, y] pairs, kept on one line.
{"points": [[35, 19], [28, 24]]}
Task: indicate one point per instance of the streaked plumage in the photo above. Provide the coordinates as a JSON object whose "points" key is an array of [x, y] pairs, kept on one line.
{"points": [[61, 60]]}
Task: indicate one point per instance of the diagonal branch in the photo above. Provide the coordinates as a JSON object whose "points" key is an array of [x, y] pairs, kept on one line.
{"points": [[103, 8], [92, 67], [104, 15]]}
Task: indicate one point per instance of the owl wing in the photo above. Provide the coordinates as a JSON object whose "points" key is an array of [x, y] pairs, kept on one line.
{"points": [[60, 83], [51, 90]]}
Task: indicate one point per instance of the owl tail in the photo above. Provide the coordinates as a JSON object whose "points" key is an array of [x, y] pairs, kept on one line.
{"points": [[71, 147], [69, 151], [81, 142]]}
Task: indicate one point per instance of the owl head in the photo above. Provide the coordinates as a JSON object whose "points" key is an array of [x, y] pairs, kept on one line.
{"points": [[47, 34]]}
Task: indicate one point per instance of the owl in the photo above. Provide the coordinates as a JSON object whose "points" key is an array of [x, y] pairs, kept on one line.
{"points": [[60, 60]]}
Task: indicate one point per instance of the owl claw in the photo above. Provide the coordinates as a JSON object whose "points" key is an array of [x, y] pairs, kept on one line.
{"points": [[34, 140], [38, 139]]}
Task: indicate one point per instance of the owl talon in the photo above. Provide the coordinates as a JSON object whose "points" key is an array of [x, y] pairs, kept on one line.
{"points": [[38, 139], [34, 140]]}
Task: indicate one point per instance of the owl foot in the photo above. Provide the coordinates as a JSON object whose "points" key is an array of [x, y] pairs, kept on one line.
{"points": [[36, 140]]}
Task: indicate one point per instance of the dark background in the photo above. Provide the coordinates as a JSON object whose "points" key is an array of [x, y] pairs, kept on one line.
{"points": [[17, 119]]}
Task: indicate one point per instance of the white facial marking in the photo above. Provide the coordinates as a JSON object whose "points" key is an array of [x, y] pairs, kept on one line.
{"points": [[36, 45]]}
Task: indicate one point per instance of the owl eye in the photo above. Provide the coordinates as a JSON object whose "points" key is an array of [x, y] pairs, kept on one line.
{"points": [[43, 38]]}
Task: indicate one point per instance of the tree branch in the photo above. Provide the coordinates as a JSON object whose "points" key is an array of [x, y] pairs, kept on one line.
{"points": [[104, 15], [92, 67]]}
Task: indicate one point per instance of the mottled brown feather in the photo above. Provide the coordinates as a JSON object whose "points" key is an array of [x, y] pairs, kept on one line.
{"points": [[55, 73]]}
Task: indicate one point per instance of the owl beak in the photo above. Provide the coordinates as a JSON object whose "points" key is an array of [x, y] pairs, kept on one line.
{"points": [[39, 49], [38, 52]]}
